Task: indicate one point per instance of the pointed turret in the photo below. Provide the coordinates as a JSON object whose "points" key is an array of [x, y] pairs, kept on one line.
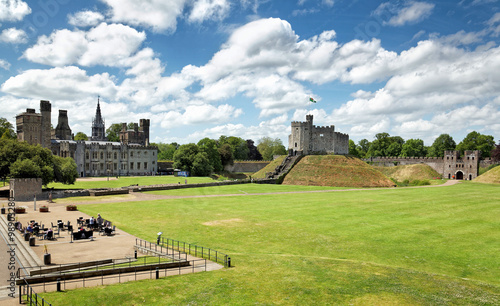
{"points": [[98, 126]]}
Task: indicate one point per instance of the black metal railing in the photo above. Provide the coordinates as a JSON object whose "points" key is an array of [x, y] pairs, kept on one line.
{"points": [[197, 251], [31, 297]]}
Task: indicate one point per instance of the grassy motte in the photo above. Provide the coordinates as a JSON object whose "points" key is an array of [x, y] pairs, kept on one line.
{"points": [[491, 176], [414, 246], [335, 170]]}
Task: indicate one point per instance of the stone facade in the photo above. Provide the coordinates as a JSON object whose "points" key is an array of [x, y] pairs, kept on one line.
{"points": [[307, 138], [139, 134], [450, 166], [94, 157], [24, 189], [466, 168]]}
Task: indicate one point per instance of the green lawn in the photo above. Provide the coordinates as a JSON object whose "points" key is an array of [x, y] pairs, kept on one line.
{"points": [[127, 181], [382, 246], [240, 189]]}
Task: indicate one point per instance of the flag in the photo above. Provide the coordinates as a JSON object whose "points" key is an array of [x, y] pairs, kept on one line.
{"points": [[312, 100]]}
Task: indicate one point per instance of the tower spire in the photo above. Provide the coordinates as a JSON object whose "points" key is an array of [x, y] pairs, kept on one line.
{"points": [[98, 126]]}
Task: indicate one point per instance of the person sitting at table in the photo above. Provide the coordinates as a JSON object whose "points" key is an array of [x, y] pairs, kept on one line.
{"points": [[29, 229], [49, 234]]}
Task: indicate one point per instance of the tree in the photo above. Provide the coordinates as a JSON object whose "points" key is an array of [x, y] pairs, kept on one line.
{"points": [[413, 147], [477, 141], [19, 159], [238, 146], [226, 155], [184, 157], [363, 147], [385, 145], [253, 152], [443, 143], [6, 129], [81, 136], [65, 170], [495, 153], [269, 147], [201, 165], [166, 151], [25, 168], [209, 147], [353, 148]]}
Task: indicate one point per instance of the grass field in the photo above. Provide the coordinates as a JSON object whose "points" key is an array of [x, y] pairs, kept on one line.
{"points": [[127, 181], [413, 246]]}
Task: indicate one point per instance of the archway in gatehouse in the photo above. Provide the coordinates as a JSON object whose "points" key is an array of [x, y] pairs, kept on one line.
{"points": [[459, 175]]}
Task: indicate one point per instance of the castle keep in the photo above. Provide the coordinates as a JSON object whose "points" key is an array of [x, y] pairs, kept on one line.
{"points": [[307, 138], [97, 157]]}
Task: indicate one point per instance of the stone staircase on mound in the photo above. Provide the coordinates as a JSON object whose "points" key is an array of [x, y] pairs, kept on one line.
{"points": [[284, 167], [25, 256]]}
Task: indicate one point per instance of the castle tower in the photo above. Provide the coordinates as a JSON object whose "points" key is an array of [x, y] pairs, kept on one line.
{"points": [[144, 128], [98, 126], [63, 131], [45, 110]]}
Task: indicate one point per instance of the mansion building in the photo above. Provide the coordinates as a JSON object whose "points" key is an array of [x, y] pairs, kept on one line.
{"points": [[96, 157]]}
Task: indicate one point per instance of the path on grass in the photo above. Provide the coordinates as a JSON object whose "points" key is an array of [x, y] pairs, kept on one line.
{"points": [[140, 196]]}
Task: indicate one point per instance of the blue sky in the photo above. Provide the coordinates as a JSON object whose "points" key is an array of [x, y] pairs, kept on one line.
{"points": [[205, 68]]}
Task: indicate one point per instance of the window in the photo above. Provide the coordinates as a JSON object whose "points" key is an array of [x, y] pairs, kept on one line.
{"points": [[131, 166], [295, 144], [115, 166], [116, 155], [131, 153], [87, 155], [138, 165], [87, 167], [102, 155], [145, 165], [102, 166]]}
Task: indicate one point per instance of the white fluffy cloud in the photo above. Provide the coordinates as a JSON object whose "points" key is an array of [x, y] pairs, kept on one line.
{"points": [[14, 36], [209, 10], [106, 44], [85, 19], [407, 13], [66, 83], [13, 10]]}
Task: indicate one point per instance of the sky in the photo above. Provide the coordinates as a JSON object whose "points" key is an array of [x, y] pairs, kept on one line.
{"points": [[247, 68]]}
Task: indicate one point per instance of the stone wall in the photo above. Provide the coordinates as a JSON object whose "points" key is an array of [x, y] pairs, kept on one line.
{"points": [[24, 189], [246, 167]]}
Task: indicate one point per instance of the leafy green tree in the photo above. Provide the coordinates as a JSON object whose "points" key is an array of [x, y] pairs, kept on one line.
{"points": [[166, 151], [363, 147], [25, 168], [209, 147], [226, 154], [269, 147], [184, 156], [65, 170], [477, 141], [353, 148], [413, 147], [81, 136], [238, 146], [443, 143], [19, 159], [6, 129], [201, 165]]}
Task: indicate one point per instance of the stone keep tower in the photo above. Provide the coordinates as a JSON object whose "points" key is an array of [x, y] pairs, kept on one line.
{"points": [[63, 131], [98, 125], [35, 128], [307, 138], [144, 127], [466, 168]]}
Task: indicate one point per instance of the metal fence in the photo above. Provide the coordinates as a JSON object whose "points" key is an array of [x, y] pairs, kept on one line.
{"points": [[32, 297], [197, 251], [64, 281]]}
